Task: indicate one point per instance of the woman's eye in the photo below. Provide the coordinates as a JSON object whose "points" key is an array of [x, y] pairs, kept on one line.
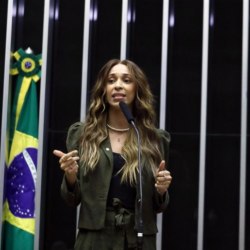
{"points": [[127, 80], [111, 80]]}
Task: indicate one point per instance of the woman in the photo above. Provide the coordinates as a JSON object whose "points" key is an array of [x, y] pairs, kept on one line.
{"points": [[105, 147]]}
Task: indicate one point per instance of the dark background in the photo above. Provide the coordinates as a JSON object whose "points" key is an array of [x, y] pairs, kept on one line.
{"points": [[58, 222]]}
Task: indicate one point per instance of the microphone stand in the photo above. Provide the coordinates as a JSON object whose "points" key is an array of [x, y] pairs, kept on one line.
{"points": [[139, 194], [130, 119]]}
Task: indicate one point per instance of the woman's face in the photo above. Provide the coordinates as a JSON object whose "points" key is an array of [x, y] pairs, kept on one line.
{"points": [[120, 86]]}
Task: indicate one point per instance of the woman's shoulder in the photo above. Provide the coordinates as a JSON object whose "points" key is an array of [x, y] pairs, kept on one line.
{"points": [[163, 134], [75, 127], [73, 135], [165, 139]]}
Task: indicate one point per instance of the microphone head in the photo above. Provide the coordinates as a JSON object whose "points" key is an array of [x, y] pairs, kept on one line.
{"points": [[126, 111]]}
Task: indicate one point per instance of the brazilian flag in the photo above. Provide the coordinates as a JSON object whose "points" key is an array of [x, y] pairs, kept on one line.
{"points": [[21, 156]]}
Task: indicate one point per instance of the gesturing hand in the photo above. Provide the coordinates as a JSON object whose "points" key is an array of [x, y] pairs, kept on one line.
{"points": [[162, 179], [68, 163]]}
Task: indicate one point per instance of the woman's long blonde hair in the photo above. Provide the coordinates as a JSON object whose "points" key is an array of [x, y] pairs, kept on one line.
{"points": [[95, 131]]}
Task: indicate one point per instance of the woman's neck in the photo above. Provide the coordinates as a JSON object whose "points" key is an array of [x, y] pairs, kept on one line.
{"points": [[117, 119]]}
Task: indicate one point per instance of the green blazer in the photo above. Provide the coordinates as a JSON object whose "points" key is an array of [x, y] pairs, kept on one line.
{"points": [[91, 190]]}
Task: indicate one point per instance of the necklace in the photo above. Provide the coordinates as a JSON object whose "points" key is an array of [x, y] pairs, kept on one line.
{"points": [[118, 129]]}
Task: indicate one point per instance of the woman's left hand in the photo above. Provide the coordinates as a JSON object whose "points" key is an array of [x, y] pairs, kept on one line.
{"points": [[162, 179]]}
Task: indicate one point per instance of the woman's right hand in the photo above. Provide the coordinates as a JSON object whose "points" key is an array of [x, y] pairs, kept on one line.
{"points": [[68, 163]]}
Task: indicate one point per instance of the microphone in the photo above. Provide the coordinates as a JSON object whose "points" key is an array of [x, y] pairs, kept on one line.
{"points": [[126, 111]]}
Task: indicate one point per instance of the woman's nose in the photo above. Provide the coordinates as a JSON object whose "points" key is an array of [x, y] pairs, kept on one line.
{"points": [[118, 83]]}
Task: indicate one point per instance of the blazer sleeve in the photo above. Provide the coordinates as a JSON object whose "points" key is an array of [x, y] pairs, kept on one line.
{"points": [[72, 196], [161, 202]]}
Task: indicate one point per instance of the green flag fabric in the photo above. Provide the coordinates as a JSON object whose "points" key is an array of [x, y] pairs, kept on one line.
{"points": [[21, 156]]}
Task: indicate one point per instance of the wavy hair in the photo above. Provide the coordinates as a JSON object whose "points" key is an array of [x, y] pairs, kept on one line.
{"points": [[95, 131]]}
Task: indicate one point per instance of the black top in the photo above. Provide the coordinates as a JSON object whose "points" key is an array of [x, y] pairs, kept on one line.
{"points": [[123, 191]]}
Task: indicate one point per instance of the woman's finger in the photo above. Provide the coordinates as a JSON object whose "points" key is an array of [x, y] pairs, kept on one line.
{"points": [[161, 166], [58, 153], [69, 156]]}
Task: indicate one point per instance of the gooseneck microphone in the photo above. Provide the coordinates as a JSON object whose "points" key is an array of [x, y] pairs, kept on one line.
{"points": [[126, 111]]}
